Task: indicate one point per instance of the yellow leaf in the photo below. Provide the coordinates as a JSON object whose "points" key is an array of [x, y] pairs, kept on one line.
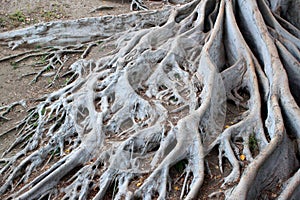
{"points": [[242, 157], [227, 126], [138, 184], [176, 188], [67, 151]]}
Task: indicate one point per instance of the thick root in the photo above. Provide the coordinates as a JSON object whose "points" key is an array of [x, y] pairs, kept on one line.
{"points": [[161, 97]]}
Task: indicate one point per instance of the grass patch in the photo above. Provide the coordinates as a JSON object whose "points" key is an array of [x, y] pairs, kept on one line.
{"points": [[43, 111], [67, 81], [48, 15], [18, 16], [180, 166], [253, 143], [54, 152], [2, 22], [14, 65]]}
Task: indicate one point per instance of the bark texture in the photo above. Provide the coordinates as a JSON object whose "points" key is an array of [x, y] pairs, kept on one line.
{"points": [[162, 97]]}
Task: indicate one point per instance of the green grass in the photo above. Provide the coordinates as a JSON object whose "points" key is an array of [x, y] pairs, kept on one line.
{"points": [[43, 111], [2, 21], [54, 152], [14, 64], [49, 80], [253, 144], [67, 80], [43, 61], [18, 16], [48, 68], [180, 166], [50, 15], [35, 124]]}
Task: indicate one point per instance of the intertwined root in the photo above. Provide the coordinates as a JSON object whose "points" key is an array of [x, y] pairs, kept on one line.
{"points": [[160, 98]]}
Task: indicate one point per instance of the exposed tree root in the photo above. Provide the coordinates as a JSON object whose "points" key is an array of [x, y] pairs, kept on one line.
{"points": [[160, 98], [4, 110]]}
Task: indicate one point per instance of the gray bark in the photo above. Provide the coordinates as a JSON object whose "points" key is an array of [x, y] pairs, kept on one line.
{"points": [[161, 97]]}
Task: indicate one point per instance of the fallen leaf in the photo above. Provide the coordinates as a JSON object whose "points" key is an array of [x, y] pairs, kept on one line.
{"points": [[242, 157], [138, 184], [227, 126], [176, 188], [274, 195]]}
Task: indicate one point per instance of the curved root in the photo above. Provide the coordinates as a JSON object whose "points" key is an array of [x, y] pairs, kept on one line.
{"points": [[163, 96]]}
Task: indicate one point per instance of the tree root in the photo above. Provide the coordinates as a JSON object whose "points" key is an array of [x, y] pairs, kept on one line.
{"points": [[161, 97], [4, 110]]}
